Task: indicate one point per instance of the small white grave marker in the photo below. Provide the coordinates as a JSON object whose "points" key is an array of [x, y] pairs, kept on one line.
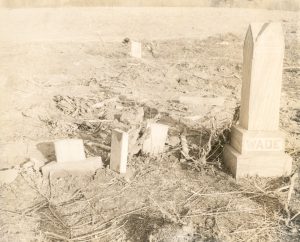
{"points": [[257, 145], [136, 49], [156, 136], [119, 151], [68, 150]]}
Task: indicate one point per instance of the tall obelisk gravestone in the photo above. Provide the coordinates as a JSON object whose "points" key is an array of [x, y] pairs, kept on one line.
{"points": [[257, 145]]}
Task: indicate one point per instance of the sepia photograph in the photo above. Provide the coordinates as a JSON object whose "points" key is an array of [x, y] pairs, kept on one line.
{"points": [[149, 120]]}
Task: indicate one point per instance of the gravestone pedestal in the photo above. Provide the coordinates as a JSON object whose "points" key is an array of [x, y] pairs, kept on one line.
{"points": [[257, 145], [259, 153]]}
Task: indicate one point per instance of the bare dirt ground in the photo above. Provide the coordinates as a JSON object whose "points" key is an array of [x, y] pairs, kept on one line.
{"points": [[56, 64]]}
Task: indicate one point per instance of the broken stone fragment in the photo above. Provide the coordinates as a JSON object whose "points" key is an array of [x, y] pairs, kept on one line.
{"points": [[81, 167], [156, 136], [27, 165], [129, 175], [69, 150], [37, 164], [8, 176], [174, 141], [132, 116], [135, 145]]}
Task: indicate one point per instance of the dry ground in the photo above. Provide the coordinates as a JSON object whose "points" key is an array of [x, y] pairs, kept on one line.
{"points": [[57, 63]]}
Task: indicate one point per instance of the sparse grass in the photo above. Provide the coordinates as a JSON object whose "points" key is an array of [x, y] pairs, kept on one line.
{"points": [[154, 203], [168, 196]]}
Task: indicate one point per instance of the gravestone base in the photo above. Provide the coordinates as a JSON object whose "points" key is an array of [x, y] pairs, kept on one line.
{"points": [[245, 141], [257, 163]]}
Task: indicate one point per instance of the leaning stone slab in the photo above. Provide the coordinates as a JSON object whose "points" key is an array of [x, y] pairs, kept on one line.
{"points": [[69, 150], [156, 136], [119, 151], [87, 166], [257, 144], [8, 176]]}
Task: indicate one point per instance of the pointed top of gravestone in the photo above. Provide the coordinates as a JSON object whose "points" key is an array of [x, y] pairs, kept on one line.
{"points": [[265, 34]]}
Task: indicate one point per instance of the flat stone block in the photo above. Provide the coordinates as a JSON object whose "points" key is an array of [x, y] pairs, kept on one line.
{"points": [[136, 49], [260, 163], [119, 151], [69, 150], [252, 140], [156, 137], [87, 166]]}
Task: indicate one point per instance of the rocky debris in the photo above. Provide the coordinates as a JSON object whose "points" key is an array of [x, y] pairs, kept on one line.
{"points": [[173, 141], [33, 163], [134, 137], [27, 165], [71, 105], [105, 102], [37, 163], [82, 107], [132, 115], [193, 118]]}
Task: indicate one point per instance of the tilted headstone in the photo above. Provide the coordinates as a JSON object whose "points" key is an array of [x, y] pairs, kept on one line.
{"points": [[257, 145], [69, 150], [155, 139]]}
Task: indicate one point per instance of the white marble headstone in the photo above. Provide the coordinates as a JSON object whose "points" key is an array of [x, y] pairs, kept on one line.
{"points": [[136, 49]]}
